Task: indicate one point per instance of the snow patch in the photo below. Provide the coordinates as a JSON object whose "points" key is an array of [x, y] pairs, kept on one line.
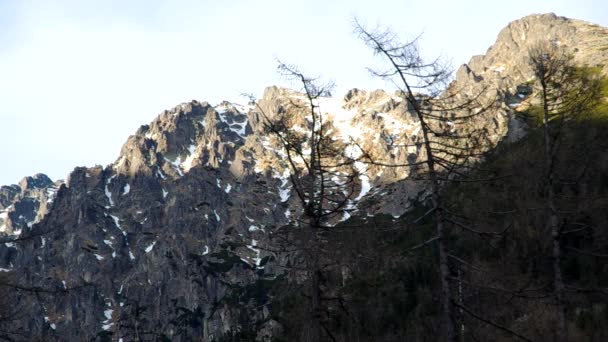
{"points": [[176, 165], [117, 223], [257, 260], [342, 118], [239, 128], [364, 179], [126, 189], [498, 68], [107, 324], [253, 228], [150, 247], [187, 164], [108, 193], [284, 190]]}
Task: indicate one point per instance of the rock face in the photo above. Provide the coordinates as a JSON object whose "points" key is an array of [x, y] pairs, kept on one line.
{"points": [[505, 68], [24, 205], [505, 63], [167, 241]]}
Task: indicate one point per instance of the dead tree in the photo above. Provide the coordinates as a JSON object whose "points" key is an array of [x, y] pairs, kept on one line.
{"points": [[323, 177], [563, 95], [450, 145]]}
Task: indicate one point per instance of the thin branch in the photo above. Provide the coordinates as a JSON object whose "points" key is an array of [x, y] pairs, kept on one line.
{"points": [[495, 325]]}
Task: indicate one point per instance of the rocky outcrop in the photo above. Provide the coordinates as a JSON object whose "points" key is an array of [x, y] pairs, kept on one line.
{"points": [[23, 205], [168, 241]]}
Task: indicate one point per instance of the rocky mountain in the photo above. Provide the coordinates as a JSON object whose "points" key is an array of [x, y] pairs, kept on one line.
{"points": [[172, 238]]}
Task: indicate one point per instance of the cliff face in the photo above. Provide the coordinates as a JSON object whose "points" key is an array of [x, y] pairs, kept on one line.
{"points": [[170, 239], [23, 205]]}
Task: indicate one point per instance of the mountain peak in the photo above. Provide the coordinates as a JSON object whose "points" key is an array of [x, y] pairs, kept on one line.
{"points": [[37, 181]]}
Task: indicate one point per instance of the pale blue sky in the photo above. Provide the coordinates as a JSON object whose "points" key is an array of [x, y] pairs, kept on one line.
{"points": [[78, 77]]}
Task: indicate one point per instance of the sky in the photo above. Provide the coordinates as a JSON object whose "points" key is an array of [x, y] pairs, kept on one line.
{"points": [[77, 77]]}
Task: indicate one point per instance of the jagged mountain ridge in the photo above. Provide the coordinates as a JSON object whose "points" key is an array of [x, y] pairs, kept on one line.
{"points": [[196, 180], [182, 213]]}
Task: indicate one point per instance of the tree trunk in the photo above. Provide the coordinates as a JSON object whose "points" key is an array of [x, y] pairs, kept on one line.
{"points": [[444, 268], [553, 221], [446, 296], [558, 282], [315, 281], [315, 306]]}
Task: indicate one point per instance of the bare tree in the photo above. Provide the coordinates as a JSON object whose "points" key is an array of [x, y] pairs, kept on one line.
{"points": [[563, 95], [450, 143], [323, 176]]}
